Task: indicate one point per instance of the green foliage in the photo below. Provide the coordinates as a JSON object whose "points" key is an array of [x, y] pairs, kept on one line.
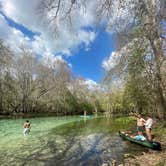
{"points": [[125, 119], [27, 85]]}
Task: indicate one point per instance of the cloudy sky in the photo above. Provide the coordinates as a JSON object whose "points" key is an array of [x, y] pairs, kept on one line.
{"points": [[86, 47]]}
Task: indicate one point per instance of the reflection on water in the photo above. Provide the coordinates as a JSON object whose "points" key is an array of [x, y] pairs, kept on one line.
{"points": [[64, 141]]}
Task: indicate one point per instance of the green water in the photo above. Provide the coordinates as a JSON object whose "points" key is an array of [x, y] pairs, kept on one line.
{"points": [[64, 141]]}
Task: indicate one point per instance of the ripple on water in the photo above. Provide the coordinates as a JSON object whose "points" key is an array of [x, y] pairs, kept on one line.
{"points": [[63, 141]]}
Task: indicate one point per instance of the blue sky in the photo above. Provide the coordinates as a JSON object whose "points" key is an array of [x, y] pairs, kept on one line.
{"points": [[85, 49], [23, 29], [84, 45], [88, 64]]}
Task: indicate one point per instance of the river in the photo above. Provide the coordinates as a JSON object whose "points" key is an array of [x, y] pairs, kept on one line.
{"points": [[64, 141]]}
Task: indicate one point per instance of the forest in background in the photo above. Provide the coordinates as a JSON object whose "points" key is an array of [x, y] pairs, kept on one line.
{"points": [[30, 85]]}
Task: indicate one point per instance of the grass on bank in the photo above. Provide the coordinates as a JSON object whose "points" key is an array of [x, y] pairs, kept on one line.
{"points": [[160, 131]]}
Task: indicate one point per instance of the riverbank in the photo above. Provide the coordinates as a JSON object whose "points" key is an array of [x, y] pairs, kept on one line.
{"points": [[151, 158], [34, 115]]}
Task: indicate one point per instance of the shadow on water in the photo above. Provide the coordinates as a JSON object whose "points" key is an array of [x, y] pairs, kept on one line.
{"points": [[80, 143]]}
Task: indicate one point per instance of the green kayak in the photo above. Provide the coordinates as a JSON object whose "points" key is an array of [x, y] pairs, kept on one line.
{"points": [[151, 145]]}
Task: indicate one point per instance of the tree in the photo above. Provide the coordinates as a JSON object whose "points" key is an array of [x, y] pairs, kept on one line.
{"points": [[24, 72], [5, 61], [143, 57]]}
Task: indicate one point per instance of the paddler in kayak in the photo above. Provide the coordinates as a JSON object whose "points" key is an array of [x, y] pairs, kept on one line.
{"points": [[139, 136]]}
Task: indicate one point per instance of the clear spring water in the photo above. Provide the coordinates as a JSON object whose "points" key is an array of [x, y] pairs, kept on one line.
{"points": [[61, 141]]}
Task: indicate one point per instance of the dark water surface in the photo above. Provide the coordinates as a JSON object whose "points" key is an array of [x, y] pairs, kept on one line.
{"points": [[64, 141]]}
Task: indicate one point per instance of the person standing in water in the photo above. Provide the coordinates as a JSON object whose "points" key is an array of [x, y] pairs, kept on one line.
{"points": [[26, 127], [140, 123]]}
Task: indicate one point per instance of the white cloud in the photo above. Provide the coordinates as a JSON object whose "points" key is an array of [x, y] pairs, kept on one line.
{"points": [[112, 61], [26, 14], [22, 12], [13, 37], [90, 84], [53, 61], [44, 41], [115, 57]]}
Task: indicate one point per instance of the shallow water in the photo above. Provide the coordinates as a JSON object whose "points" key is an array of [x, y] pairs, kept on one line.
{"points": [[61, 141]]}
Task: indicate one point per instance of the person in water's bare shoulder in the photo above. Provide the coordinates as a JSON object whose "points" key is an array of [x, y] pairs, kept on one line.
{"points": [[26, 127], [140, 123]]}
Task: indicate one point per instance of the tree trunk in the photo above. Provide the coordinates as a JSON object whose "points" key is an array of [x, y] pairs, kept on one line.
{"points": [[1, 98], [159, 79]]}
